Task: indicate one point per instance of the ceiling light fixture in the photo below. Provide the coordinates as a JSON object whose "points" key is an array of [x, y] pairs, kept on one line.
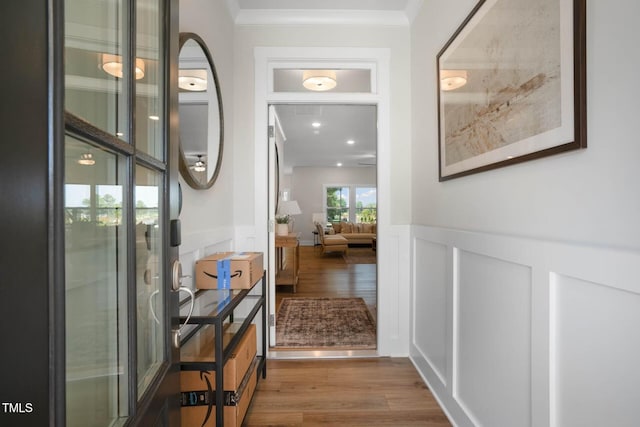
{"points": [[338, 164], [193, 80], [86, 159], [112, 64], [452, 79], [199, 166], [351, 142], [316, 124], [319, 80]]}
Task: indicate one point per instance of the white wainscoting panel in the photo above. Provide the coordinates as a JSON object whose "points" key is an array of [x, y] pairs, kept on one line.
{"points": [[393, 291], [430, 306], [596, 354], [492, 339], [535, 333]]}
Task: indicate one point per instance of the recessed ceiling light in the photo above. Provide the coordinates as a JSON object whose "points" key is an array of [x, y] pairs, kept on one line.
{"points": [[351, 142], [154, 118], [316, 124], [338, 164]]}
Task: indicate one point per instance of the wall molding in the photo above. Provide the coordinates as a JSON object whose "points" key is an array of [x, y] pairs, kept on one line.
{"points": [[537, 290]]}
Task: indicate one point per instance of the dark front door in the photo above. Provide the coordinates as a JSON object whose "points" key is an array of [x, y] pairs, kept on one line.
{"points": [[90, 187]]}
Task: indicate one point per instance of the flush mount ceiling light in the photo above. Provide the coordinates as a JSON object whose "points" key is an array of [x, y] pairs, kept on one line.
{"points": [[112, 64], [193, 80], [86, 159], [452, 79], [319, 80]]}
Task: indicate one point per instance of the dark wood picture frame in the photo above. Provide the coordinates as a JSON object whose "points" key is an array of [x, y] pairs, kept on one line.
{"points": [[519, 85]]}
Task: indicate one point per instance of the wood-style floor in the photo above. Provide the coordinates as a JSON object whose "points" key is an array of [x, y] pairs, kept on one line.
{"points": [[329, 276], [341, 392]]}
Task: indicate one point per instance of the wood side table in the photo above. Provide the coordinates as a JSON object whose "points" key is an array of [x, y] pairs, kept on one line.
{"points": [[287, 270]]}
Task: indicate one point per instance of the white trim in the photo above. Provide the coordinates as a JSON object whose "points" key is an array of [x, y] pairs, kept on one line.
{"points": [[393, 337]]}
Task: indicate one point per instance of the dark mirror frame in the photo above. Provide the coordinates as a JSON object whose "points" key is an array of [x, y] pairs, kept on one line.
{"points": [[183, 166]]}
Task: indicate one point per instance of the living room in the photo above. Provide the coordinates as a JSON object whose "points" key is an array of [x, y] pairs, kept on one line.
{"points": [[326, 180]]}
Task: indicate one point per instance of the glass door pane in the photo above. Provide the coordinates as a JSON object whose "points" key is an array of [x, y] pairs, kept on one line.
{"points": [[149, 278], [96, 279], [97, 65], [149, 93]]}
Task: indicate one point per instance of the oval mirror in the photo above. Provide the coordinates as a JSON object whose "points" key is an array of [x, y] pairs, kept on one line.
{"points": [[200, 110]]}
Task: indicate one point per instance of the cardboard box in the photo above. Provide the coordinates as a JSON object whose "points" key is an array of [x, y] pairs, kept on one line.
{"points": [[234, 370], [205, 414], [229, 270]]}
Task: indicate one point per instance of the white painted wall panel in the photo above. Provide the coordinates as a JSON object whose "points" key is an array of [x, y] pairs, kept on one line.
{"points": [[430, 305], [493, 335], [539, 333], [595, 354]]}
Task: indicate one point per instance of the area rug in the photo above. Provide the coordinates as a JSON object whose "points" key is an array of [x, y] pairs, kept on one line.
{"points": [[325, 322], [360, 256]]}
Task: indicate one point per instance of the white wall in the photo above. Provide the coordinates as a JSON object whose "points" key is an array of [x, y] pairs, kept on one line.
{"points": [[394, 38], [525, 279], [207, 216], [308, 190]]}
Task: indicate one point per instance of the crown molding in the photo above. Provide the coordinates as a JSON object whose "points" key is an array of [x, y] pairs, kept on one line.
{"points": [[321, 17]]}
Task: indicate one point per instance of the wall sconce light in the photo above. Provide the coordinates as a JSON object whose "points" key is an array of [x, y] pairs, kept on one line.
{"points": [[86, 159], [112, 64], [452, 79], [319, 80]]}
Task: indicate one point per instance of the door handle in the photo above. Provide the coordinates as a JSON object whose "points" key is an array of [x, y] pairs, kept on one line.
{"points": [[176, 286]]}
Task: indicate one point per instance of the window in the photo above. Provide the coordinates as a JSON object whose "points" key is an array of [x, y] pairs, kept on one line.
{"points": [[353, 203], [337, 204]]}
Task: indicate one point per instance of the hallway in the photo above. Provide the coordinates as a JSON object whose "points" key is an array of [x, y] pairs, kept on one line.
{"points": [[344, 392]]}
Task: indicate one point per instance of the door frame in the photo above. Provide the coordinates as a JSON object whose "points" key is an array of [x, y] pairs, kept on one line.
{"points": [[378, 61]]}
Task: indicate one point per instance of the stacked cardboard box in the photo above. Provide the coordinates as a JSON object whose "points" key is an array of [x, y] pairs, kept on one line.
{"points": [[240, 378]]}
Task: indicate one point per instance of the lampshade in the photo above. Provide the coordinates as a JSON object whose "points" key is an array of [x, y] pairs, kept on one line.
{"points": [[452, 79], [112, 64], [289, 207], [319, 80]]}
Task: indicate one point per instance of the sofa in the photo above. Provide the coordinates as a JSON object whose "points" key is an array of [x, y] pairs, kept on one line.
{"points": [[355, 233]]}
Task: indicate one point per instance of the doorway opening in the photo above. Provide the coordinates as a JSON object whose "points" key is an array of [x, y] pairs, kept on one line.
{"points": [[325, 164]]}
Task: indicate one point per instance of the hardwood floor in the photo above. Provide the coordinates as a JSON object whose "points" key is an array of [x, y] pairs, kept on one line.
{"points": [[329, 276], [343, 392]]}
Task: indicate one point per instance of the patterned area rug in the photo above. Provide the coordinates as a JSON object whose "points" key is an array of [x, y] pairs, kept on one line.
{"points": [[325, 322], [360, 256]]}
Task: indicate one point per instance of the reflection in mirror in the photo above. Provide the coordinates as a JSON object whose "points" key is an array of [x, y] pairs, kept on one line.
{"points": [[201, 116]]}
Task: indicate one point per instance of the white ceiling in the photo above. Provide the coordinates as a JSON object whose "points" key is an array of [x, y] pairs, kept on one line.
{"points": [[327, 145]]}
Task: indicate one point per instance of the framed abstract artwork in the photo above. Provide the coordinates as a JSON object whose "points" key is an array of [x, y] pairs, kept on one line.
{"points": [[512, 85]]}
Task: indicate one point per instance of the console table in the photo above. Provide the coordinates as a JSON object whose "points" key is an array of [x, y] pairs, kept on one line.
{"points": [[287, 269]]}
